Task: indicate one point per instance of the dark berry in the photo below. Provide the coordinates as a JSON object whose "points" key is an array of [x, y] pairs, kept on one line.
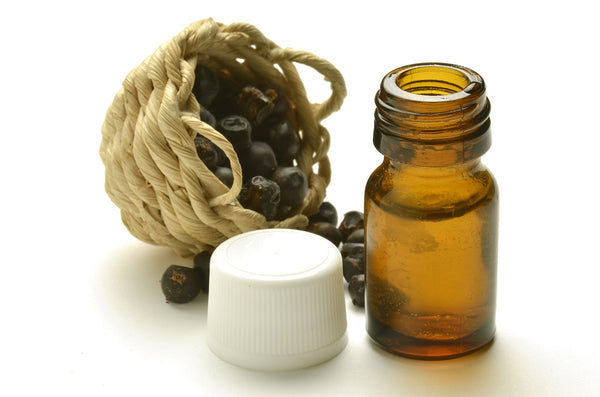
{"points": [[261, 195], [284, 140], [207, 151], [353, 265], [180, 284], [207, 117], [202, 266], [293, 185], [206, 85], [352, 249], [327, 230], [258, 159], [327, 213], [222, 160], [253, 104], [357, 236], [352, 221], [356, 290], [228, 88], [237, 130], [225, 175], [280, 101]]}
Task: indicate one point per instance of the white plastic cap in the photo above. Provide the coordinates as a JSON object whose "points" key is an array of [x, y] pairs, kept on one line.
{"points": [[276, 300]]}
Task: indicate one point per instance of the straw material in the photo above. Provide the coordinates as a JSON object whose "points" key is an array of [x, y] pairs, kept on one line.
{"points": [[166, 194]]}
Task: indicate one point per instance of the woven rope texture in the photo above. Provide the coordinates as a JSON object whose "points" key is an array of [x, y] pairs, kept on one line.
{"points": [[166, 194]]}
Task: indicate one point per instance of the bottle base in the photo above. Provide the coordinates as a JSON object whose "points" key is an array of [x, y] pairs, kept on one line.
{"points": [[426, 349]]}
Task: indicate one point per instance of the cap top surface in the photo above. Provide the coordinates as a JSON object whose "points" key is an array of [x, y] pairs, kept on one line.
{"points": [[285, 253]]}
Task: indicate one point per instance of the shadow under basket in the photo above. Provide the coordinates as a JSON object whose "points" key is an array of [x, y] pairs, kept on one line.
{"points": [[166, 193]]}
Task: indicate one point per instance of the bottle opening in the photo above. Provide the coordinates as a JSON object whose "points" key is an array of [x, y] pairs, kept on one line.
{"points": [[432, 114], [432, 81]]}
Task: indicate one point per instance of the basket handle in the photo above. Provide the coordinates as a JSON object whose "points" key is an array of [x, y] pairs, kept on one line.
{"points": [[279, 55], [326, 69]]}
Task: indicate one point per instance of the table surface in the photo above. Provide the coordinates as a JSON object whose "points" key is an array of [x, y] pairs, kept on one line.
{"points": [[83, 313]]}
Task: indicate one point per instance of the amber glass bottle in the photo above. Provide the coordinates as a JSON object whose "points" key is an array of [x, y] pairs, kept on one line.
{"points": [[431, 215]]}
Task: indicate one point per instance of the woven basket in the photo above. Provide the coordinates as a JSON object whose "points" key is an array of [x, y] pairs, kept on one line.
{"points": [[166, 194]]}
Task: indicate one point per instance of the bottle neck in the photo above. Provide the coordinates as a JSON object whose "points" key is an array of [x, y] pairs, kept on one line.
{"points": [[432, 115], [464, 168]]}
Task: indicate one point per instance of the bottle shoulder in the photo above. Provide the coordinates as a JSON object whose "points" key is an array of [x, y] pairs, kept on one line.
{"points": [[431, 192]]}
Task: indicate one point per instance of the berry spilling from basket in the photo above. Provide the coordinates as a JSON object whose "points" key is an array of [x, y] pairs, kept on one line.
{"points": [[348, 236], [180, 284], [324, 224], [255, 120]]}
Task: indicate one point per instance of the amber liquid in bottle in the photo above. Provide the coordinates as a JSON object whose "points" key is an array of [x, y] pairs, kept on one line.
{"points": [[431, 216]]}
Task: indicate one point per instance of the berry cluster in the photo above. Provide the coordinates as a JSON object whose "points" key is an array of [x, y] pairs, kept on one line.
{"points": [[348, 237], [255, 121]]}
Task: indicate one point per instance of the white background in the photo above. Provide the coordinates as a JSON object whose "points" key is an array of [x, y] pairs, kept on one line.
{"points": [[81, 307]]}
